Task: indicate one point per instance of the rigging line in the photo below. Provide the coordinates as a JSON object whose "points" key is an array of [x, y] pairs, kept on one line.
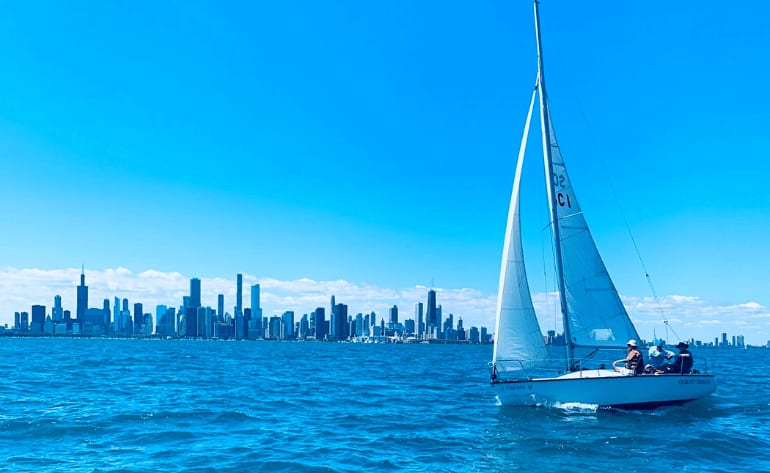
{"points": [[665, 322], [549, 226], [545, 275], [548, 307], [548, 287], [557, 316]]}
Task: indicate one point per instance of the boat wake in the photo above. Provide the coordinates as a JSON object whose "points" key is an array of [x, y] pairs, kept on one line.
{"points": [[563, 407], [576, 407]]}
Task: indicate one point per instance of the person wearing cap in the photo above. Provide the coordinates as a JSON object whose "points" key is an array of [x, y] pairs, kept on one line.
{"points": [[634, 361], [683, 362], [658, 356]]}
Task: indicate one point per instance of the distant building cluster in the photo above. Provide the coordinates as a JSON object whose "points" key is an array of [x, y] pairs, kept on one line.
{"points": [[192, 320], [552, 338], [738, 342]]}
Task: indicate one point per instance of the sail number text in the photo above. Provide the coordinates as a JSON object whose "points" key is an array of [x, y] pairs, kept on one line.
{"points": [[562, 198]]}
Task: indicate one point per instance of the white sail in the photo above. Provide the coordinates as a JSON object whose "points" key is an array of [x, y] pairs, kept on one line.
{"points": [[595, 313], [519, 342]]}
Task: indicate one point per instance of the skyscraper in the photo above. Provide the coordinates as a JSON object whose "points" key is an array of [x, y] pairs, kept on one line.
{"points": [[107, 314], [274, 328], [372, 323], [138, 317], [320, 323], [24, 321], [287, 325], [304, 327], [333, 323], [449, 323], [162, 326], [195, 292], [393, 315], [173, 321], [431, 318], [255, 328], [418, 318], [338, 322], [239, 295], [57, 313], [221, 306], [82, 299], [256, 308], [116, 311], [359, 325], [38, 318], [191, 322]]}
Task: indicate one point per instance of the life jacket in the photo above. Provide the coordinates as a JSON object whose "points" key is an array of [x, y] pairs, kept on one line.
{"points": [[636, 363], [686, 362]]}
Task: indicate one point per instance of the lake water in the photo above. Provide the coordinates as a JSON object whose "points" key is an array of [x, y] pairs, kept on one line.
{"points": [[178, 405]]}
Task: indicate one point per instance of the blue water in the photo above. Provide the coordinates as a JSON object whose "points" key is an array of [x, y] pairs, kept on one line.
{"points": [[170, 405]]}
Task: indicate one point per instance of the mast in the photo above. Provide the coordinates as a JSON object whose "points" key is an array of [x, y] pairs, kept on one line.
{"points": [[546, 132]]}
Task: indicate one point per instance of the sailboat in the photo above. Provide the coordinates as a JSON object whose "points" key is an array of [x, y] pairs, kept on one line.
{"points": [[593, 315]]}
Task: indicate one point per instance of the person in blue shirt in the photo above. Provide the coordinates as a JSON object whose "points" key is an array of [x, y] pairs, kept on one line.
{"points": [[658, 357]]}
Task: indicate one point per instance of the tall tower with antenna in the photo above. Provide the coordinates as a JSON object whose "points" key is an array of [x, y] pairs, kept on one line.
{"points": [[82, 297]]}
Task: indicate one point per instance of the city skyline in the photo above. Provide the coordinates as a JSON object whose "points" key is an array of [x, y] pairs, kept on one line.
{"points": [[196, 320], [303, 296], [371, 148]]}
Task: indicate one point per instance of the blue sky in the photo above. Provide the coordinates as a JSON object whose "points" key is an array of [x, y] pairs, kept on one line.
{"points": [[373, 144]]}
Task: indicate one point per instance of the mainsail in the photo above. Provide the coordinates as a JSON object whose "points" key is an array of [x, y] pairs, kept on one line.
{"points": [[518, 339], [596, 315]]}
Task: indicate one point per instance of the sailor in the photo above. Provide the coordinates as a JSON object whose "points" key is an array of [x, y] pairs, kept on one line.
{"points": [[683, 362], [658, 356], [634, 360]]}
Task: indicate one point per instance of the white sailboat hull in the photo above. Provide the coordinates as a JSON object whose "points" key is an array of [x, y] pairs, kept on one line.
{"points": [[606, 388]]}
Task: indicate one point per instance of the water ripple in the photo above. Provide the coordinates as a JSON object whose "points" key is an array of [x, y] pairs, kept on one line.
{"points": [[148, 405]]}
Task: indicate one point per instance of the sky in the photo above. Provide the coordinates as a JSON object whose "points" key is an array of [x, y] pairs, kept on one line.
{"points": [[367, 150]]}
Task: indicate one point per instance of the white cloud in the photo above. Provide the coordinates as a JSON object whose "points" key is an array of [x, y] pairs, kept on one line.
{"points": [[751, 306], [695, 317]]}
